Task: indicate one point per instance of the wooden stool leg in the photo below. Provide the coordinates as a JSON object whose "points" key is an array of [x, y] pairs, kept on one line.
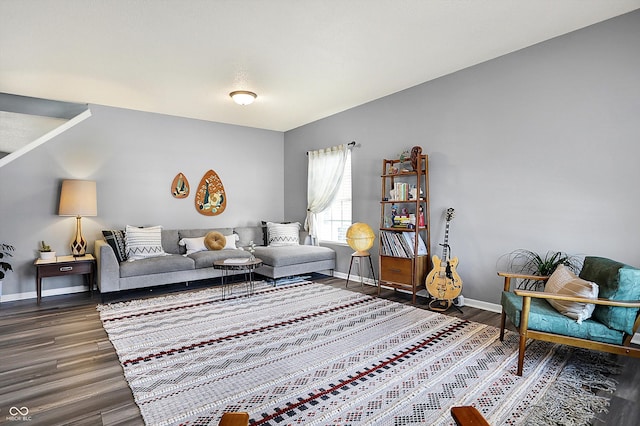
{"points": [[349, 273], [373, 274]]}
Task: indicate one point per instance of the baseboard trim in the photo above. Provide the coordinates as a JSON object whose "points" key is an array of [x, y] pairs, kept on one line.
{"points": [[51, 292], [353, 279], [473, 303]]}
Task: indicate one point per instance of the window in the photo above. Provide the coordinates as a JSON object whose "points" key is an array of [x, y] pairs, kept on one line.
{"points": [[334, 221]]}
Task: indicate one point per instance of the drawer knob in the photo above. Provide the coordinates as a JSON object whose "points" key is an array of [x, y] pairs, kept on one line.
{"points": [[66, 268]]}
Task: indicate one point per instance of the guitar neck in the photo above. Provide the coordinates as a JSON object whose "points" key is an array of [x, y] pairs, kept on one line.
{"points": [[445, 246]]}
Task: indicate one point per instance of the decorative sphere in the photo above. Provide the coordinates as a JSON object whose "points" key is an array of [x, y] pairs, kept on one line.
{"points": [[360, 237]]}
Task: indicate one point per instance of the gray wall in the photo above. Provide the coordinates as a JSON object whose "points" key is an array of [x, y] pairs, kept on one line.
{"points": [[134, 157], [537, 149]]}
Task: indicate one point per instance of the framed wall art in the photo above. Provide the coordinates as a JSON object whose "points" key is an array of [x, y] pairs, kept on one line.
{"points": [[180, 186], [211, 198]]}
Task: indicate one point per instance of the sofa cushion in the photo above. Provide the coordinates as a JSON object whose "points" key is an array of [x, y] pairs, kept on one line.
{"points": [[205, 259], [283, 234], [563, 281], [293, 255], [142, 243], [193, 245], [543, 317], [170, 240], [246, 234], [116, 239], [617, 281], [156, 265]]}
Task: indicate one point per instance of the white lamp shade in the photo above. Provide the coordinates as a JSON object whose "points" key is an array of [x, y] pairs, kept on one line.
{"points": [[78, 198]]}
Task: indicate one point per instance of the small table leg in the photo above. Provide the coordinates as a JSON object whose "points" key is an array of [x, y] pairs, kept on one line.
{"points": [[39, 288]]}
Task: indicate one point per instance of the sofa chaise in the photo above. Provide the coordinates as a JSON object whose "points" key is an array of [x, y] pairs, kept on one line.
{"points": [[115, 274]]}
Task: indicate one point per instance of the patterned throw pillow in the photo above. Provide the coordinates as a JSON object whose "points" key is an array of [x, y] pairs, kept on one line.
{"points": [[283, 234], [143, 243], [565, 282], [116, 239]]}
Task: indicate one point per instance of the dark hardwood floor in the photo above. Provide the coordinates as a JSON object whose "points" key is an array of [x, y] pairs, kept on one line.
{"points": [[56, 360]]}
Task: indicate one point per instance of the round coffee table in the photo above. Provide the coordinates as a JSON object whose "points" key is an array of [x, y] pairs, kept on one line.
{"points": [[237, 264]]}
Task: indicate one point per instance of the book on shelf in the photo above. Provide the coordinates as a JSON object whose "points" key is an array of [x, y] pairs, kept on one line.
{"points": [[400, 244], [410, 239]]}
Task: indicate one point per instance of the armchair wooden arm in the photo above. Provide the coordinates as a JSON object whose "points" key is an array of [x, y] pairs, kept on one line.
{"points": [[508, 275], [563, 297], [507, 287]]}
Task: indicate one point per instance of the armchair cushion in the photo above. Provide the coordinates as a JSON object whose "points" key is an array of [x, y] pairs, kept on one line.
{"points": [[617, 281], [564, 281], [543, 317]]}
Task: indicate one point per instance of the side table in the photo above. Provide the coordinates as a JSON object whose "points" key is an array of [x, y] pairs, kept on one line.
{"points": [[235, 264], [65, 265]]}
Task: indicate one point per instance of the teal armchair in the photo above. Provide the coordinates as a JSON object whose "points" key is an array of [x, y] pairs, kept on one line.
{"points": [[613, 323]]}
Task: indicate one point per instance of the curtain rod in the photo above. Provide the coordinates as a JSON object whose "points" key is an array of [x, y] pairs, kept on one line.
{"points": [[349, 145]]}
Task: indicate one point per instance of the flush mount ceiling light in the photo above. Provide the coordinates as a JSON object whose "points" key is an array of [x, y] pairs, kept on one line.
{"points": [[243, 97]]}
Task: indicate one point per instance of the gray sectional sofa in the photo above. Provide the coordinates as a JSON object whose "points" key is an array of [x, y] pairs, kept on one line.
{"points": [[177, 266]]}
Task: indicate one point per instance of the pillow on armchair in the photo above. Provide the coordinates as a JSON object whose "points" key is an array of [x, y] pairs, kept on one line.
{"points": [[564, 281], [617, 281]]}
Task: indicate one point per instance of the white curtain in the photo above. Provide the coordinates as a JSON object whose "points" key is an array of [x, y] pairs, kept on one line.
{"points": [[325, 170]]}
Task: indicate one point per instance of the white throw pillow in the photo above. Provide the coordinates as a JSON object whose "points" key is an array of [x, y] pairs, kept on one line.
{"points": [[564, 281], [283, 234], [193, 245], [230, 241], [142, 243]]}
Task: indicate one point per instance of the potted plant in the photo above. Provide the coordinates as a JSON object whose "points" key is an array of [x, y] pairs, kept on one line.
{"points": [[45, 251], [5, 266], [531, 263]]}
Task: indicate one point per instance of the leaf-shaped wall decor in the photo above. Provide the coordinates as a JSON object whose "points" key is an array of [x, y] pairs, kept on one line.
{"points": [[211, 198], [180, 186]]}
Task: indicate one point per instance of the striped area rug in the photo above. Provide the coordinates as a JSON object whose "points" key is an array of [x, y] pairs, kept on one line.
{"points": [[313, 354]]}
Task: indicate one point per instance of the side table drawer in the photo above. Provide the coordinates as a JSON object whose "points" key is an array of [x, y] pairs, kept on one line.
{"points": [[60, 269]]}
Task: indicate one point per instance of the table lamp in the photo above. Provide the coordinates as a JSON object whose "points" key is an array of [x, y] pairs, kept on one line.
{"points": [[360, 237], [78, 198]]}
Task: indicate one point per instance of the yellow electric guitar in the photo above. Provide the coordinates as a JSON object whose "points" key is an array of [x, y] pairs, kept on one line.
{"points": [[443, 282]]}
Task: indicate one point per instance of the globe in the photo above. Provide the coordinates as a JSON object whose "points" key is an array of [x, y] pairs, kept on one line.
{"points": [[360, 237]]}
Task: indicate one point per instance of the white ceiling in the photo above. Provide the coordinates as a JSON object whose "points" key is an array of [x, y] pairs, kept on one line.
{"points": [[306, 59]]}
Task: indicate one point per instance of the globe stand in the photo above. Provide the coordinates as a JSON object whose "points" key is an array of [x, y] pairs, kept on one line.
{"points": [[360, 256], [360, 237]]}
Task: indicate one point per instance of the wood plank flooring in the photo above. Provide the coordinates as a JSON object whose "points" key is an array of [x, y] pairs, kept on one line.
{"points": [[57, 361]]}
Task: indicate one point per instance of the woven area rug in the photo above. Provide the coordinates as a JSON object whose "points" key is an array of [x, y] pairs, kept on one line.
{"points": [[313, 354]]}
